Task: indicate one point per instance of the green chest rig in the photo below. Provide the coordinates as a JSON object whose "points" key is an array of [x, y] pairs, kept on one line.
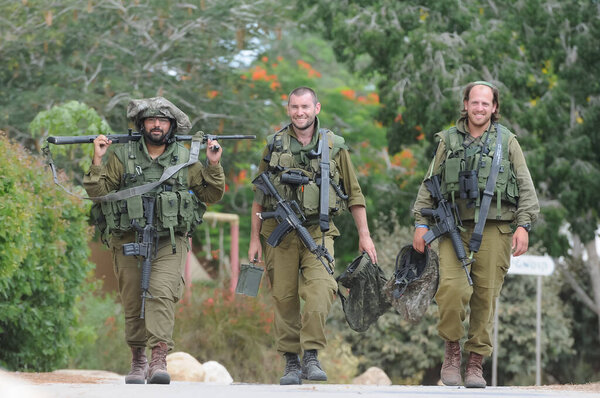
{"points": [[177, 209], [294, 173], [465, 169]]}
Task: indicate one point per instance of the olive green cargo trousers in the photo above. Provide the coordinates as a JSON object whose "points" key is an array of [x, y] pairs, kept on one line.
{"points": [[166, 288], [454, 293], [295, 273]]}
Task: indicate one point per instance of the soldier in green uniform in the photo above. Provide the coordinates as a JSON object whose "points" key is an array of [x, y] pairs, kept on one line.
{"points": [[178, 209], [463, 159], [295, 273]]}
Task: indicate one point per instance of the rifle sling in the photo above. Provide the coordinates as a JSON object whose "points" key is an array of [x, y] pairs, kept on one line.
{"points": [[324, 186], [142, 189], [477, 235]]}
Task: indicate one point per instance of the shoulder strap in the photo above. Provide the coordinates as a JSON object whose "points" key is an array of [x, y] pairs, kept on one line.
{"points": [[477, 235], [273, 141]]}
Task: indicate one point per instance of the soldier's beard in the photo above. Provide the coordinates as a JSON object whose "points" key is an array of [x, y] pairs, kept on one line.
{"points": [[154, 139]]}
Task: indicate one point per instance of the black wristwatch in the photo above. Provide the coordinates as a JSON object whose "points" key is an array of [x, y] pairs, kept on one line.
{"points": [[526, 226]]}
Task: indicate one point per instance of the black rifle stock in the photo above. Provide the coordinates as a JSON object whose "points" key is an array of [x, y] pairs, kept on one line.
{"points": [[146, 248], [445, 223], [136, 136], [285, 214]]}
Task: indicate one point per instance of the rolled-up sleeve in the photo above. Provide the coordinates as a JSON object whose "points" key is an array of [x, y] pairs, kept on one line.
{"points": [[350, 180], [207, 182], [100, 180]]}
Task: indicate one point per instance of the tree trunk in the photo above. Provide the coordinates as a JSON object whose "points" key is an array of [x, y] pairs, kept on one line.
{"points": [[593, 267]]}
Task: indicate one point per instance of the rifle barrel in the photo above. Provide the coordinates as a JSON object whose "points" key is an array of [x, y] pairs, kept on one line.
{"points": [[135, 136]]}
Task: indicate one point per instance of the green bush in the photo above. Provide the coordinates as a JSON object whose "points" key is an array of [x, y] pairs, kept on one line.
{"points": [[100, 337], [234, 330], [43, 262]]}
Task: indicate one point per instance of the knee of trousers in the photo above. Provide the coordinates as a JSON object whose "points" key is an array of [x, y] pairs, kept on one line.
{"points": [[452, 295], [318, 295]]}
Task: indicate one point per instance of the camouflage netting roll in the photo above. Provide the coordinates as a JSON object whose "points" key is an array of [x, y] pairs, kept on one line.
{"points": [[139, 109], [414, 283]]}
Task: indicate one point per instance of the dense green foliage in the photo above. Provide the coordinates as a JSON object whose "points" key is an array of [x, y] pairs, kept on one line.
{"points": [[43, 262]]}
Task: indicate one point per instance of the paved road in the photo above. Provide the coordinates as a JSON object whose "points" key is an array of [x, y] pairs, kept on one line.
{"points": [[116, 389]]}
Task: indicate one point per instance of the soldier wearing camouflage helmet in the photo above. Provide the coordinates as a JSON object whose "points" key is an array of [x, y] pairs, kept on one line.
{"points": [[179, 208], [467, 157]]}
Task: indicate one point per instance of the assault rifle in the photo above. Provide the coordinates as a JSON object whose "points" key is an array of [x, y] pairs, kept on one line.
{"points": [[445, 223], [146, 248], [136, 136], [288, 221]]}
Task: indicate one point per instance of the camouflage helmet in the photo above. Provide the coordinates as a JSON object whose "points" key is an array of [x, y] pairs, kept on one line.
{"points": [[414, 283], [139, 109]]}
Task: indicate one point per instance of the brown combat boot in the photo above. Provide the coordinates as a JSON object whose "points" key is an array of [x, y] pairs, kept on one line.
{"points": [[139, 366], [474, 371], [158, 365], [450, 373]]}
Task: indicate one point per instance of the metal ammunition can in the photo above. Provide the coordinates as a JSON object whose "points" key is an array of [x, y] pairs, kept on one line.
{"points": [[249, 280]]}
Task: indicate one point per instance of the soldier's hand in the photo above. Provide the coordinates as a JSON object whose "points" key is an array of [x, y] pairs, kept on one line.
{"points": [[520, 241], [366, 245], [418, 241], [255, 251], [213, 151], [101, 144]]}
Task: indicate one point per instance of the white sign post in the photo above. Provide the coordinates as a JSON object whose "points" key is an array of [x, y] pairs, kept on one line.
{"points": [[526, 265]]}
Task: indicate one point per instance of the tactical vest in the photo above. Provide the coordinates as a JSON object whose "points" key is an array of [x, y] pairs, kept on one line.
{"points": [[479, 158], [287, 155], [177, 209]]}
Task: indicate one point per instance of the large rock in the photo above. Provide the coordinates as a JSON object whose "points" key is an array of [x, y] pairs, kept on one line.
{"points": [[184, 367], [373, 376], [216, 373]]}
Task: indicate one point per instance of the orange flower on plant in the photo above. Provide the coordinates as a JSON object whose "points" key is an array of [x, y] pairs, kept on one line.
{"points": [[279, 58], [364, 144], [303, 64], [212, 94], [259, 73], [398, 118], [350, 94], [420, 137], [284, 97], [265, 59], [275, 85], [418, 128], [373, 98]]}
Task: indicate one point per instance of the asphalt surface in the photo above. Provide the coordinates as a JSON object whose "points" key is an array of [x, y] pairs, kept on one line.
{"points": [[117, 389]]}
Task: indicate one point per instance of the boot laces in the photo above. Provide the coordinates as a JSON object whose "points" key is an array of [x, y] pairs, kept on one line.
{"points": [[310, 359], [453, 354], [292, 363]]}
